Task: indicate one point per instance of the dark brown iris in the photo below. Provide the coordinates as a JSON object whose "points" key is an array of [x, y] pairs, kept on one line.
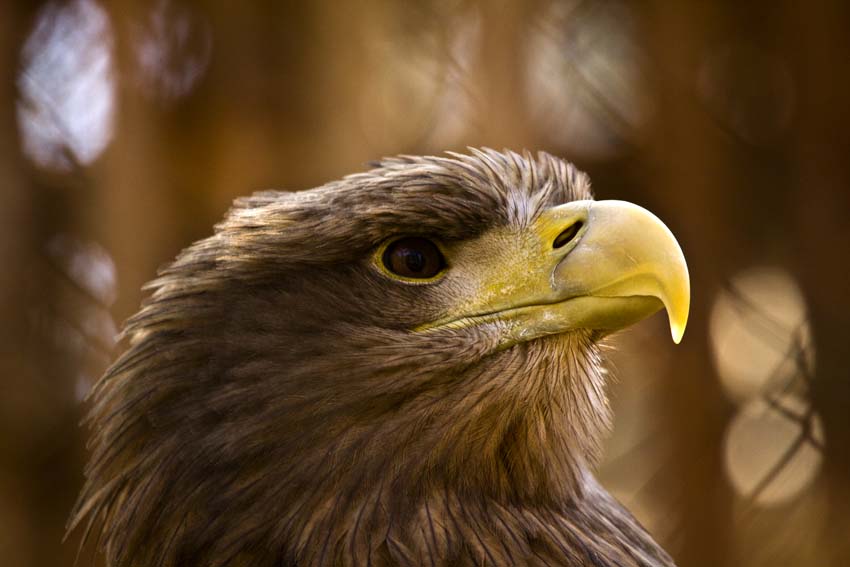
{"points": [[414, 257]]}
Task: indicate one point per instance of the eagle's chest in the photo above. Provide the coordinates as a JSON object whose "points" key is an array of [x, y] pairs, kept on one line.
{"points": [[448, 530]]}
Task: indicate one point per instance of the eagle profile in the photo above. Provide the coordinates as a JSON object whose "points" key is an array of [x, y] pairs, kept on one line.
{"points": [[401, 367]]}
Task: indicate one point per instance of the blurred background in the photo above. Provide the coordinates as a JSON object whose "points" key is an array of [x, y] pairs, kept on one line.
{"points": [[127, 127]]}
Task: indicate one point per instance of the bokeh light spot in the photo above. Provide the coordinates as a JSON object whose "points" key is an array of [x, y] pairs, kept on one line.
{"points": [[87, 264], [173, 48], [760, 335], [67, 87], [418, 88], [583, 79], [771, 449]]}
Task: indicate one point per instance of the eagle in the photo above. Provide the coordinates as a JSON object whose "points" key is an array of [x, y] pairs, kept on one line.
{"points": [[401, 367]]}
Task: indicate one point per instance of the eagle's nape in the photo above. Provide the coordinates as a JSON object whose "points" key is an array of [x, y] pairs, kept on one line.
{"points": [[288, 400]]}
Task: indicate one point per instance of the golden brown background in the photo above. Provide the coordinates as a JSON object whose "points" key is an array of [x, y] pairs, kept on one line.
{"points": [[127, 127]]}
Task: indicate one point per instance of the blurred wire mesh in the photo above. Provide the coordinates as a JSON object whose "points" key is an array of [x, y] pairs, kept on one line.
{"points": [[128, 127]]}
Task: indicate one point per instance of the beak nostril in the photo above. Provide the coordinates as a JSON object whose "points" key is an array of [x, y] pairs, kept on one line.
{"points": [[567, 235]]}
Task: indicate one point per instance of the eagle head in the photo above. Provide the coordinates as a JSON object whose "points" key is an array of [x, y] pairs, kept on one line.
{"points": [[399, 367]]}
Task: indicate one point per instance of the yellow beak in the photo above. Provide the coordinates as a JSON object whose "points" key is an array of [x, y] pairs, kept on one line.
{"points": [[600, 265], [625, 265]]}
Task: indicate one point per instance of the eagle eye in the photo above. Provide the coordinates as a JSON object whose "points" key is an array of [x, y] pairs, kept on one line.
{"points": [[413, 257]]}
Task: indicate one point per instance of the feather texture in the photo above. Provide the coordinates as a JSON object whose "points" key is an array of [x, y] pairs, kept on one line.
{"points": [[275, 408]]}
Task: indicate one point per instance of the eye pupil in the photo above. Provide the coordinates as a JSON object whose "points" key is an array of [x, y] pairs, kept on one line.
{"points": [[414, 257], [414, 260]]}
